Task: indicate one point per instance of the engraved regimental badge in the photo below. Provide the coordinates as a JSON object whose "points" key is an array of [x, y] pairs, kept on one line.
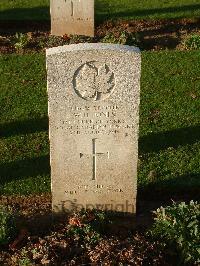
{"points": [[94, 81]]}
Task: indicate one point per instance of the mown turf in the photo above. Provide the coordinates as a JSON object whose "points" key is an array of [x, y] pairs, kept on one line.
{"points": [[148, 9], [105, 9], [24, 10], [169, 146], [24, 148], [169, 124]]}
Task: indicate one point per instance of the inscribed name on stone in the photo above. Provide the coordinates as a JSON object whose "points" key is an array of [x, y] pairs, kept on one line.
{"points": [[72, 17], [94, 94]]}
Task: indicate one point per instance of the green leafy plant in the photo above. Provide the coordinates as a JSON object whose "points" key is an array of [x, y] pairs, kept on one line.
{"points": [[87, 226], [20, 41], [25, 262], [7, 225], [110, 38], [192, 42], [123, 38], [177, 228], [41, 43], [79, 39], [24, 259], [53, 41]]}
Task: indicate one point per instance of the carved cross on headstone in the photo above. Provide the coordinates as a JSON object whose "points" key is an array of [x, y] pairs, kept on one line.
{"points": [[94, 156]]}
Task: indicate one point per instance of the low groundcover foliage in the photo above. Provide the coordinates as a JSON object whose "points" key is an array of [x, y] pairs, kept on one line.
{"points": [[88, 226], [193, 42], [7, 225], [178, 229]]}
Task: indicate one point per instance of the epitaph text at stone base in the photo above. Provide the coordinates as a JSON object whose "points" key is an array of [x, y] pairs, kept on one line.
{"points": [[94, 95]]}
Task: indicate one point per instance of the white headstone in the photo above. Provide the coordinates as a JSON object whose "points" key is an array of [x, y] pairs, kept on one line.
{"points": [[72, 17], [94, 94]]}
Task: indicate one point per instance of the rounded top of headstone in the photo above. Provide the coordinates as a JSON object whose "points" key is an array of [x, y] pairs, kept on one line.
{"points": [[91, 46]]}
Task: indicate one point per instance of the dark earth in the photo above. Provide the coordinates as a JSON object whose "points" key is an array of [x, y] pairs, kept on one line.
{"points": [[42, 240], [150, 34]]}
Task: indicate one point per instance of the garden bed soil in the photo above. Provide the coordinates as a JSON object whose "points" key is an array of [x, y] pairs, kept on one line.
{"points": [[150, 34], [44, 242]]}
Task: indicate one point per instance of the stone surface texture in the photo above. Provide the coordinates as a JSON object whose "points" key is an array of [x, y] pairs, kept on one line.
{"points": [[72, 17], [94, 95]]}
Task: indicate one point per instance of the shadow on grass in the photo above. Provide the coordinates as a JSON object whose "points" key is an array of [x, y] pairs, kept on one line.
{"points": [[36, 13], [24, 168], [24, 127], [42, 14], [169, 139], [188, 185], [184, 188], [142, 13], [150, 143], [25, 19]]}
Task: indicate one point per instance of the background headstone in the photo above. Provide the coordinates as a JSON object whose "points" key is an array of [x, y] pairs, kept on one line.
{"points": [[72, 17], [94, 94]]}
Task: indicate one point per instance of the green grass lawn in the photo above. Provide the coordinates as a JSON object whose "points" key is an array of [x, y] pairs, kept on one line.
{"points": [[24, 10], [148, 9], [169, 146], [105, 9]]}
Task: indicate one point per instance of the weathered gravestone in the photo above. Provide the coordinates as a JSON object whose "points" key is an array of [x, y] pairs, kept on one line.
{"points": [[72, 17], [94, 93]]}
